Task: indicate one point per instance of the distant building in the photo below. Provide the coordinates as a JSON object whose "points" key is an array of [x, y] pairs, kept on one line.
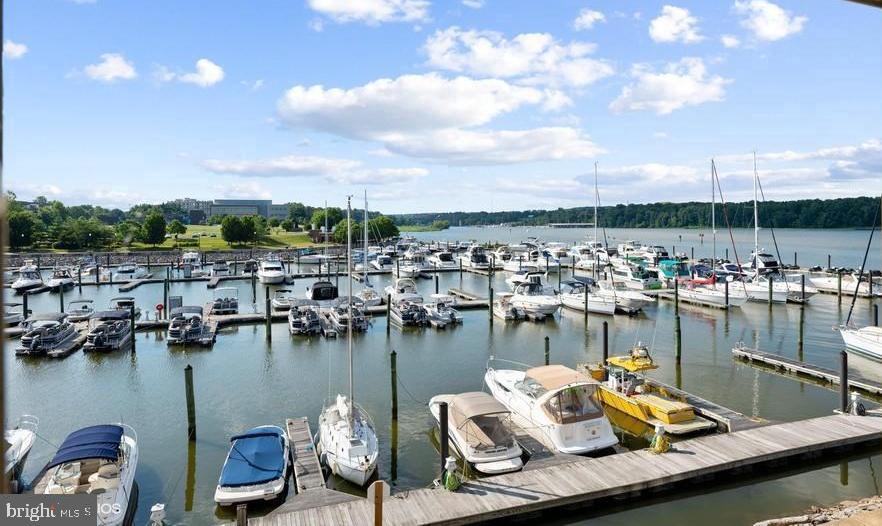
{"points": [[232, 207]]}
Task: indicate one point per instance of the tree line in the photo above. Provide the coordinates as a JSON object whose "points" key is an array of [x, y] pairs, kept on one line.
{"points": [[850, 212]]}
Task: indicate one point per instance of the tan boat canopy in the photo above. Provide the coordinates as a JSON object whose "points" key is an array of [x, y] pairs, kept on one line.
{"points": [[478, 417], [553, 377], [465, 406]]}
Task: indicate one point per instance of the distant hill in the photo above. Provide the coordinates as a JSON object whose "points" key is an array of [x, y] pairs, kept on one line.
{"points": [[851, 212]]}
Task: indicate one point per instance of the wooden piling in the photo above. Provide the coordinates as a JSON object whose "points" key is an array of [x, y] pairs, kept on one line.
{"points": [[253, 287], [547, 350], [605, 347], [61, 298], [829, 264], [80, 278], [460, 269], [269, 316], [876, 314], [727, 253], [24, 305], [771, 288], [677, 337], [585, 309], [436, 281], [191, 402], [802, 288], [490, 307], [388, 314], [839, 284], [132, 321], [444, 439], [676, 296], [800, 345], [393, 361], [795, 259], [148, 262], [726, 291], [843, 381]]}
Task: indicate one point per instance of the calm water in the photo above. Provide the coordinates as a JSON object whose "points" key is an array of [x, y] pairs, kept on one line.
{"points": [[243, 381]]}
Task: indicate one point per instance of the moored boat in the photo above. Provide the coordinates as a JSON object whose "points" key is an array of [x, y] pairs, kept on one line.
{"points": [[256, 468]]}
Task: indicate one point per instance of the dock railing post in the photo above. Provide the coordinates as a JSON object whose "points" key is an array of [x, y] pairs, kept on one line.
{"points": [[843, 382], [191, 402], [605, 348], [269, 316], [443, 440], [61, 299], [132, 321], [547, 350]]}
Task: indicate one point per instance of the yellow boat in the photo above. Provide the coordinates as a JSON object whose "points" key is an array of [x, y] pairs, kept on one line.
{"points": [[626, 389]]}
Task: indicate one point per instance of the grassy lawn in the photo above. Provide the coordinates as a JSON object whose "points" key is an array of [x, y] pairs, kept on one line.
{"points": [[209, 238]]}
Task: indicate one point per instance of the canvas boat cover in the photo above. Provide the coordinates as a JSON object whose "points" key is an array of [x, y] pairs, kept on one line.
{"points": [[90, 442], [255, 457], [553, 377]]}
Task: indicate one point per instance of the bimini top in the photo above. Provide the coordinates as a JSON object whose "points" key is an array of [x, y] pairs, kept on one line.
{"points": [[256, 457], [89, 442], [50, 316], [191, 309], [465, 406], [553, 377], [111, 315]]}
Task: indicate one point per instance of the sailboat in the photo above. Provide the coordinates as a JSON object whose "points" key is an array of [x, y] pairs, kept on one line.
{"points": [[347, 439], [368, 296]]}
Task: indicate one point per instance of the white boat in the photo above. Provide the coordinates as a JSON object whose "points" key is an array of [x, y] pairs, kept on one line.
{"points": [[347, 437], [560, 252], [712, 295], [125, 303], [129, 271], [441, 308], [544, 261], [850, 285], [758, 290], [523, 276], [98, 460], [270, 270], [475, 257], [185, 326], [256, 467], [520, 263], [324, 292], [502, 308], [13, 314], [282, 299], [383, 262], [412, 265], [556, 405], [501, 256], [533, 298], [795, 287], [304, 318], [19, 441], [403, 289], [637, 278], [864, 340], [194, 259], [61, 278], [225, 301], [577, 295], [627, 300], [368, 296], [79, 310], [44, 333], [220, 268], [479, 431], [443, 259], [29, 278], [109, 330]]}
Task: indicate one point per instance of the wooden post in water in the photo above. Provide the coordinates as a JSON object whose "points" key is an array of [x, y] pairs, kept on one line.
{"points": [[771, 288], [398, 267], [726, 291], [547, 350], [132, 321], [253, 287], [800, 346], [242, 515], [191, 402], [269, 316], [843, 381], [677, 337], [61, 298], [802, 288], [460, 270], [585, 309], [24, 305], [436, 281], [393, 357], [676, 296], [839, 284], [388, 314], [148, 262], [80, 278], [605, 348], [490, 306], [444, 439], [829, 264], [727, 253], [876, 314], [795, 259]]}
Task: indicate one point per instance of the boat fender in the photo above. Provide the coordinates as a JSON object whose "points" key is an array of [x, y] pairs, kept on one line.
{"points": [[450, 480], [660, 443]]}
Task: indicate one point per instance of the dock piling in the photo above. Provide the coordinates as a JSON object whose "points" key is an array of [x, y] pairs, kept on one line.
{"points": [[585, 310], [727, 253], [795, 259], [800, 345], [436, 281], [388, 314], [393, 361], [490, 307], [771, 287], [726, 291], [676, 296], [605, 347], [253, 287], [802, 288], [242, 515], [829, 264], [24, 305], [843, 382], [876, 314], [444, 440], [678, 341], [269, 316], [61, 299], [80, 278], [547, 350], [839, 284], [132, 321], [191, 402]]}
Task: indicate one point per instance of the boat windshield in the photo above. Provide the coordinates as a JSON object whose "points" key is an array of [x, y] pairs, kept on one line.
{"points": [[487, 432], [445, 257], [573, 404], [532, 289]]}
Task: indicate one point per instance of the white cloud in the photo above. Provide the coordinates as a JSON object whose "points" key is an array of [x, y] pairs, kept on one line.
{"points": [[13, 50], [652, 173], [768, 21], [730, 41], [253, 85], [244, 190], [868, 147], [559, 189], [113, 67], [556, 100], [486, 147], [532, 58], [336, 170], [660, 135], [372, 12], [683, 83], [317, 25], [474, 4], [207, 74], [675, 24], [587, 18], [385, 108]]}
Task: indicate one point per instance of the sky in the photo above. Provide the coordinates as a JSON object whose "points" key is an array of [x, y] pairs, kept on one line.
{"points": [[434, 106]]}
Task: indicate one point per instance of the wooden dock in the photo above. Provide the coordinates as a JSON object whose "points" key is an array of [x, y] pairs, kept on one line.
{"points": [[67, 349], [126, 286], [803, 369], [459, 293], [634, 475]]}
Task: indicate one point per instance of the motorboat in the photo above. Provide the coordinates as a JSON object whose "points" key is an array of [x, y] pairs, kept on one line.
{"points": [[256, 468], [441, 309], [185, 325], [630, 247], [97, 460], [129, 271], [29, 278], [850, 284], [79, 310], [270, 270], [560, 252], [323, 292], [865, 340], [347, 442], [525, 276], [220, 268], [225, 301], [781, 286], [412, 265], [125, 303], [443, 260], [534, 299], [194, 259], [408, 313], [403, 289], [283, 299], [501, 255], [383, 262], [758, 290], [13, 314], [627, 300], [479, 431], [340, 313], [652, 254], [797, 291], [19, 441], [712, 295], [578, 296], [502, 308], [304, 318], [636, 277], [761, 262], [44, 333], [61, 278], [88, 265], [475, 257], [368, 296], [544, 261], [250, 266], [671, 269], [629, 391], [520, 263], [556, 405], [109, 330]]}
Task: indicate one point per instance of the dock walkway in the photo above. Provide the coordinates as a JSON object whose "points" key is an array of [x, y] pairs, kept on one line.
{"points": [[799, 368]]}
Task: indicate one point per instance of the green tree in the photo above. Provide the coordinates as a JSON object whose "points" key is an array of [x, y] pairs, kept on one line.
{"points": [[382, 226], [274, 223], [83, 233], [335, 215], [153, 229], [232, 230], [176, 228], [287, 225], [22, 226], [339, 232], [216, 219], [127, 232]]}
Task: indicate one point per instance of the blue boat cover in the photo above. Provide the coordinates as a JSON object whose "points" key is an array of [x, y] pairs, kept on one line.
{"points": [[256, 457], [89, 442]]}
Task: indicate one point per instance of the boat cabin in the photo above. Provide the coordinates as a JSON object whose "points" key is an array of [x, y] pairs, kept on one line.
{"points": [[566, 395]]}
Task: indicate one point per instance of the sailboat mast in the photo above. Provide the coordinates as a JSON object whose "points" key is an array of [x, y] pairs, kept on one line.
{"points": [[364, 260], [713, 215], [755, 220], [595, 201], [349, 302]]}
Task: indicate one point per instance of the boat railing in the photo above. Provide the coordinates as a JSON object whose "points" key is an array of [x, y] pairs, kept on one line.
{"points": [[493, 359], [28, 422]]}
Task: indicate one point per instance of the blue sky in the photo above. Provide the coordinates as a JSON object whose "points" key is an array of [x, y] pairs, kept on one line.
{"points": [[440, 106]]}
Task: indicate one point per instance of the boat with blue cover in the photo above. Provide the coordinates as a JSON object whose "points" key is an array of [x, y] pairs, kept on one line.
{"points": [[96, 460], [256, 467]]}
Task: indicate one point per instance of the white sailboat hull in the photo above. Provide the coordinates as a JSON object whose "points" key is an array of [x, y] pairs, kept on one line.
{"points": [[866, 340]]}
